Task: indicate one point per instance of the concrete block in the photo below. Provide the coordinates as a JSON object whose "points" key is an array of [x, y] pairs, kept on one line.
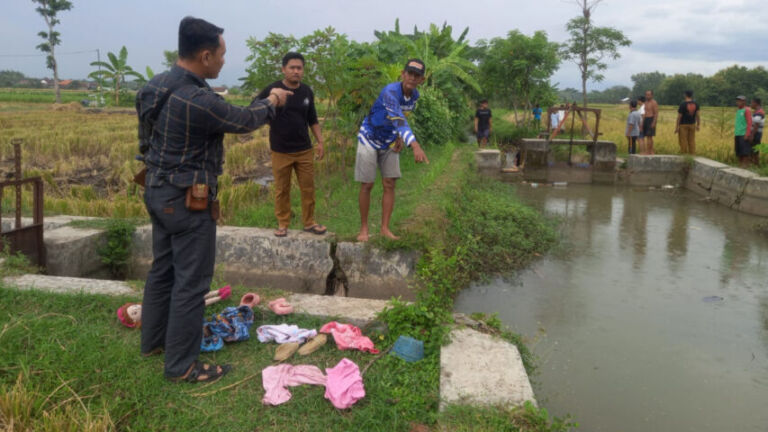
{"points": [[372, 273], [728, 185], [488, 159], [755, 198], [69, 285], [656, 170], [535, 153], [702, 174], [49, 222], [357, 311], [74, 252], [299, 262], [481, 369]]}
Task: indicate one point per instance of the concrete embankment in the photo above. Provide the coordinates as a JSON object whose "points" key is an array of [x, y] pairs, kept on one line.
{"points": [[736, 188]]}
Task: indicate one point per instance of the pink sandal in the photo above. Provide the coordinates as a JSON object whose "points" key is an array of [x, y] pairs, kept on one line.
{"points": [[250, 299], [280, 306], [218, 295]]}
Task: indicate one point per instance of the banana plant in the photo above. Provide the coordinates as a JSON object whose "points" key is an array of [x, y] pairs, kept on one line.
{"points": [[116, 71]]}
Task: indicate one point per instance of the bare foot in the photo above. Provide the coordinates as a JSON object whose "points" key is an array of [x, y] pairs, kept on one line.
{"points": [[388, 234], [363, 236]]}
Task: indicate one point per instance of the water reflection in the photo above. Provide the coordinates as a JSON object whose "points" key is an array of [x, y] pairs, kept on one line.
{"points": [[625, 339]]}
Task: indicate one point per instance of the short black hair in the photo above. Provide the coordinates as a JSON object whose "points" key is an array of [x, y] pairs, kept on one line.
{"points": [[482, 101], [292, 56], [641, 99], [196, 35], [757, 100], [688, 93], [633, 103]]}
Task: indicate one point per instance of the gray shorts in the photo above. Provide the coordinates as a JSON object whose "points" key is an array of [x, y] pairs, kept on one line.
{"points": [[368, 158]]}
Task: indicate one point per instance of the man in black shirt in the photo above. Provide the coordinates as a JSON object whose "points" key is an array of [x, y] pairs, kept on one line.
{"points": [[292, 148], [182, 123], [483, 125], [688, 122]]}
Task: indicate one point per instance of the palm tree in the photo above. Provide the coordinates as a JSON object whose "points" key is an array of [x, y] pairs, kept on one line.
{"points": [[116, 70]]}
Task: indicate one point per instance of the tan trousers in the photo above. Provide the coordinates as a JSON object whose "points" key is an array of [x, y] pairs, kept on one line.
{"points": [[283, 164], [687, 138]]}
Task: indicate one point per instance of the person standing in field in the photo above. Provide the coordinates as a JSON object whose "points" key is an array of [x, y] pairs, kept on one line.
{"points": [[641, 135], [381, 138], [483, 123], [688, 123], [537, 117], [758, 121], [742, 129], [634, 120], [649, 121], [182, 123], [292, 148], [554, 120]]}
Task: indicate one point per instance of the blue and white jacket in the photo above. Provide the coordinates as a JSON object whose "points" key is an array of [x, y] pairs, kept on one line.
{"points": [[386, 120]]}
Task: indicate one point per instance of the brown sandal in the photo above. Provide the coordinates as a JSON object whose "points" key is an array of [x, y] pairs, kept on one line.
{"points": [[316, 229], [281, 232], [203, 372], [158, 350]]}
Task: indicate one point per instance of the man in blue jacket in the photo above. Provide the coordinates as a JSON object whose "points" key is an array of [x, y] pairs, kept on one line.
{"points": [[381, 138]]}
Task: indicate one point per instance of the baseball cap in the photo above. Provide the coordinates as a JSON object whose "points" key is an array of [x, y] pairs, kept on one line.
{"points": [[415, 65], [741, 98]]}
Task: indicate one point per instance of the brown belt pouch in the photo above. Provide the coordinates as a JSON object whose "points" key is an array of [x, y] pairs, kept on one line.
{"points": [[141, 178], [215, 210], [197, 197]]}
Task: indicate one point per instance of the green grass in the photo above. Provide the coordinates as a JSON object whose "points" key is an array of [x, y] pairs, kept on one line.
{"points": [[337, 204], [42, 95], [50, 339]]}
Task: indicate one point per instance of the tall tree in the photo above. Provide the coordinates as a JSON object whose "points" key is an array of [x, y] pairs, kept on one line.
{"points": [[647, 81], [517, 69], [589, 45], [116, 70], [49, 10]]}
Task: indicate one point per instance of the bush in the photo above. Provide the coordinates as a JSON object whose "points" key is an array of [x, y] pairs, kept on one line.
{"points": [[508, 134], [116, 253], [432, 120]]}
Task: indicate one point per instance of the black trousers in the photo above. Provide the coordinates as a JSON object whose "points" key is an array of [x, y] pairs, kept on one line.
{"points": [[184, 250]]}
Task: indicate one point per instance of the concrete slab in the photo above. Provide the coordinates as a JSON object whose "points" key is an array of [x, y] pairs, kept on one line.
{"points": [[729, 184], [74, 252], [702, 174], [488, 159], [656, 170], [477, 368], [49, 222], [69, 285], [755, 198], [355, 311], [372, 273]]}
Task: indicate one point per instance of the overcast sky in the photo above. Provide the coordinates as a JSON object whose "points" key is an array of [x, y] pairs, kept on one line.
{"points": [[668, 35]]}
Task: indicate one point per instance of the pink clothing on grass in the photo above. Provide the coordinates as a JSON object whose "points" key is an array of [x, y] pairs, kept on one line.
{"points": [[275, 379], [348, 336], [344, 386]]}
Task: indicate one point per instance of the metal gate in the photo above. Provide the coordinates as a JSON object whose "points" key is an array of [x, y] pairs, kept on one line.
{"points": [[25, 239]]}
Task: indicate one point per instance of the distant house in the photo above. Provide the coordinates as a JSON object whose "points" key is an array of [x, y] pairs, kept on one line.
{"points": [[223, 91], [65, 83]]}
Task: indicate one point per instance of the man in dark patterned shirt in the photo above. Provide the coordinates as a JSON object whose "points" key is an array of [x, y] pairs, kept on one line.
{"points": [[182, 123]]}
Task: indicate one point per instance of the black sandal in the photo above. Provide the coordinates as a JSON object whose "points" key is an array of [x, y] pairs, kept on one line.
{"points": [[281, 232], [203, 372], [316, 229], [156, 351]]}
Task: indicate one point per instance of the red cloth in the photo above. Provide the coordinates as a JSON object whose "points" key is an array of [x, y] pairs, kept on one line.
{"points": [[348, 336]]}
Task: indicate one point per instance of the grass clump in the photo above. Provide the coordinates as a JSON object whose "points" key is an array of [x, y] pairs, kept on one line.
{"points": [[460, 418]]}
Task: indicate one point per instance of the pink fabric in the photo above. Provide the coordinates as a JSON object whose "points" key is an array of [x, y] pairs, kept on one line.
{"points": [[344, 386], [348, 336], [275, 379]]}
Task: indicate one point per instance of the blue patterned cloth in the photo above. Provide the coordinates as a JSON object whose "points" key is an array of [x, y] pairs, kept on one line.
{"points": [[232, 324]]}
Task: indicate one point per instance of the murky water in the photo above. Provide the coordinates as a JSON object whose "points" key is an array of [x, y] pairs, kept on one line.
{"points": [[655, 318]]}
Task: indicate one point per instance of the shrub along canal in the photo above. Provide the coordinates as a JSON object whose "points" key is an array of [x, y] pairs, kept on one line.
{"points": [[652, 317]]}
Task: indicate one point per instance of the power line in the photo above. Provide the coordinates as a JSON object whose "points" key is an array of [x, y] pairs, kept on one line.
{"points": [[44, 54]]}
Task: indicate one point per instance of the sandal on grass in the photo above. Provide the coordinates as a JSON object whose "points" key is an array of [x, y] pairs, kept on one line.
{"points": [[203, 372], [281, 232], [316, 229], [158, 350]]}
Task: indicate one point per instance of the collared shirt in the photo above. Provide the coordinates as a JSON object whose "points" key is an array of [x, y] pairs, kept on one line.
{"points": [[186, 141], [386, 120]]}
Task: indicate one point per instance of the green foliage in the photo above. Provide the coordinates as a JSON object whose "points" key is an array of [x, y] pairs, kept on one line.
{"points": [[117, 251], [432, 120], [610, 95], [508, 134], [115, 70], [589, 45], [170, 58], [15, 263], [646, 81], [515, 70]]}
